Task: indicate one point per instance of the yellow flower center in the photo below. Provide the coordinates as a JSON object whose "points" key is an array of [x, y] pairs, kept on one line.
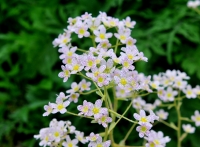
{"points": [[122, 37], [143, 119], [65, 40], [95, 110], [126, 64], [157, 142], [102, 36], [76, 67], [189, 92], [90, 63], [169, 95], [70, 53], [100, 79], [82, 31], [60, 106], [85, 109], [73, 96], [198, 118], [56, 134], [103, 118], [99, 145], [66, 73], [143, 129], [70, 144], [123, 81]]}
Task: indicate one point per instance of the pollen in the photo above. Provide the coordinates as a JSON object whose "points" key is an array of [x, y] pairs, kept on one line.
{"points": [[81, 31], [143, 119], [123, 81], [60, 106], [102, 36], [76, 67], [95, 110]]}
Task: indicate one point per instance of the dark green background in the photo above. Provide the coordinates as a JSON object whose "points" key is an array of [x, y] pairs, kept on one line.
{"points": [[166, 31]]}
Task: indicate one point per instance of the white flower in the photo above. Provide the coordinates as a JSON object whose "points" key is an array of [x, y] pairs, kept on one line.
{"points": [[60, 106], [196, 118], [69, 142], [188, 128], [162, 114], [101, 34]]}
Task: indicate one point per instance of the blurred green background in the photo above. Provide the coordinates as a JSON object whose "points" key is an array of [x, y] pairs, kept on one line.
{"points": [[166, 31]]}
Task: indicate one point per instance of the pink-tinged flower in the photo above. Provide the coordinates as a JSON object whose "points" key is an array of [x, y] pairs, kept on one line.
{"points": [[143, 130], [142, 118], [96, 71], [74, 88], [111, 22], [82, 30], [89, 61], [142, 57], [152, 116], [162, 114], [102, 79], [76, 65], [97, 110], [155, 84], [121, 81], [196, 118], [104, 120], [104, 44], [138, 103], [84, 85], [131, 53], [80, 137], [179, 83], [101, 34], [73, 97], [48, 108], [69, 142], [92, 138], [62, 39], [169, 95], [127, 64], [85, 108], [123, 34], [67, 52], [128, 23], [156, 139], [189, 92], [61, 96], [45, 137], [130, 42], [182, 75], [57, 134], [188, 128], [60, 106], [197, 90], [94, 23], [99, 143], [65, 74]]}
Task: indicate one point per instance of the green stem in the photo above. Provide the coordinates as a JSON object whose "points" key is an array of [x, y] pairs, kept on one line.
{"points": [[128, 133], [116, 46], [79, 115], [107, 106], [122, 116], [178, 105], [167, 124]]}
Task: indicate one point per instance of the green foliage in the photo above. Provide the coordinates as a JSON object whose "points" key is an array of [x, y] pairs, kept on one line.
{"points": [[167, 32]]}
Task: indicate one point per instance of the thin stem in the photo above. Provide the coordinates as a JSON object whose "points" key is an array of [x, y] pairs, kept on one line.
{"points": [[167, 124], [79, 115], [129, 132], [102, 95], [118, 145], [106, 103], [122, 116], [116, 46]]}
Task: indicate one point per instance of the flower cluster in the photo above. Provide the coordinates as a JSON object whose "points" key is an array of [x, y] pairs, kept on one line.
{"points": [[109, 64], [58, 133], [99, 113], [145, 122]]}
